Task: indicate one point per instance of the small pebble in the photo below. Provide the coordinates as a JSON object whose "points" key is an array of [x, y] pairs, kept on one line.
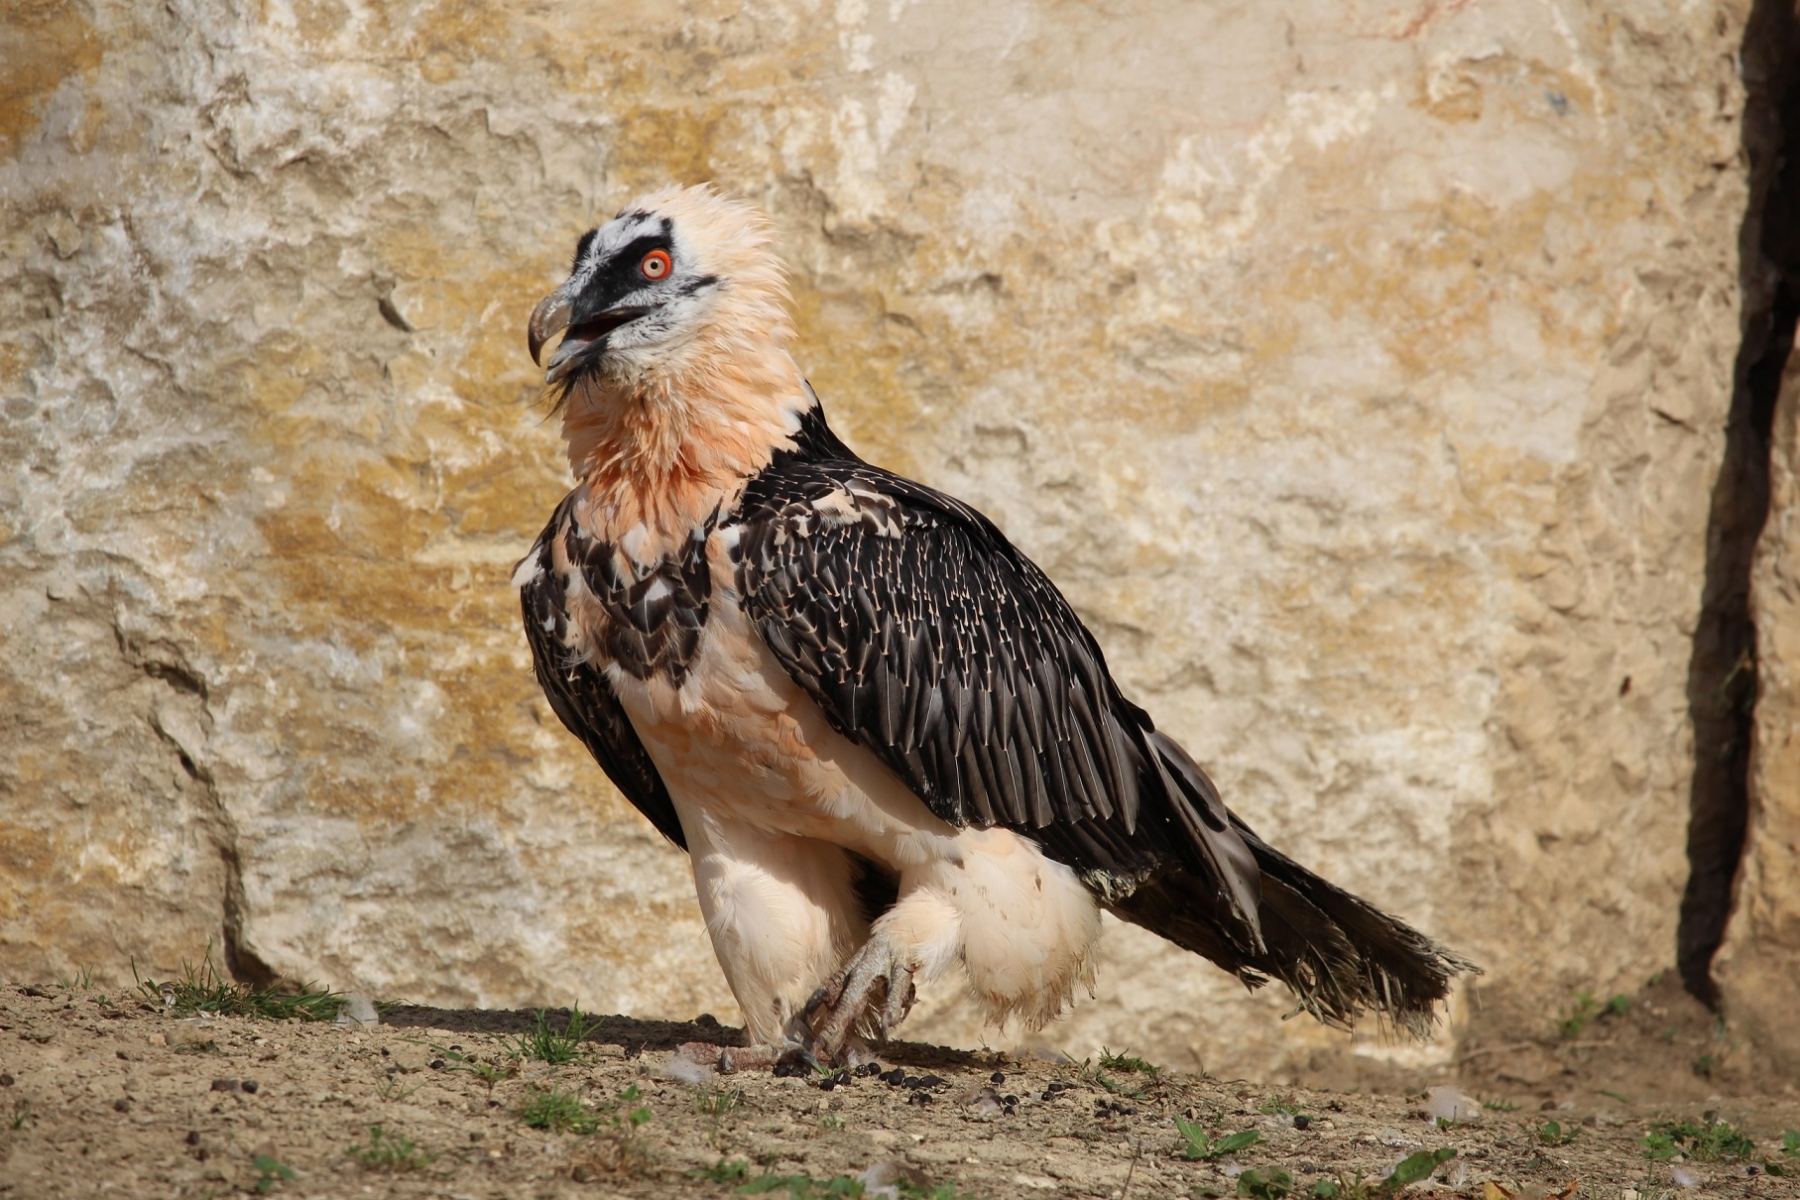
{"points": [[1048, 1096], [1301, 1122], [437, 1064], [6, 1080], [250, 1085], [985, 1101], [997, 1078], [224, 1085], [919, 1098], [911, 1081], [1056, 1087], [869, 1069], [122, 1104], [1009, 1101], [932, 1081]]}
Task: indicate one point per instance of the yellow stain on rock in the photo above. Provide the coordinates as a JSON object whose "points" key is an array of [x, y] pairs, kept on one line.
{"points": [[42, 43]]}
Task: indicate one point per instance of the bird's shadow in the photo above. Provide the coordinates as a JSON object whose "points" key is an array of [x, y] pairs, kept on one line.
{"points": [[635, 1035]]}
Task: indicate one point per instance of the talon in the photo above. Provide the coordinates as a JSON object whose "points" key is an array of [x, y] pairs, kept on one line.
{"points": [[728, 1060], [848, 1001], [900, 997]]}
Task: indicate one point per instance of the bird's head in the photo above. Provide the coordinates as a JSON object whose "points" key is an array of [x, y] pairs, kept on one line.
{"points": [[680, 280]]}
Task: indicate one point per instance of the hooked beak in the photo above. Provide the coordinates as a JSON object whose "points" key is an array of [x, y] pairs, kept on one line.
{"points": [[556, 313]]}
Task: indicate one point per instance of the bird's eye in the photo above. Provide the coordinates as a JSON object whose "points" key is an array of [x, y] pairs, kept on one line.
{"points": [[656, 265]]}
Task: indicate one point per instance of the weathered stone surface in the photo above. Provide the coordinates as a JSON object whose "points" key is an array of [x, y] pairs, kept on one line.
{"points": [[1357, 372], [1759, 963]]}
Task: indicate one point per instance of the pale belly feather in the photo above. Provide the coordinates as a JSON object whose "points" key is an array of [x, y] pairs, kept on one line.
{"points": [[770, 798]]}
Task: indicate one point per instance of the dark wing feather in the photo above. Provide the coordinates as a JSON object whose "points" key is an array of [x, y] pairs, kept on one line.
{"points": [[926, 636], [580, 695]]}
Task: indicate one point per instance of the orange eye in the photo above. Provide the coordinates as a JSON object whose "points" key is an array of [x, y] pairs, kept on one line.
{"points": [[656, 265]]}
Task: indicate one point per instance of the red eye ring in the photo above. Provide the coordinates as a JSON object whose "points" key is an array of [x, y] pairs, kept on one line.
{"points": [[656, 265]]}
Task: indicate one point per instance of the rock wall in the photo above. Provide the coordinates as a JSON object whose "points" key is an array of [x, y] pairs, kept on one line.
{"points": [[1358, 371], [1760, 961]]}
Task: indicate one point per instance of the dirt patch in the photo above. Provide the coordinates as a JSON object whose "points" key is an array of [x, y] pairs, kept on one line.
{"points": [[107, 1093]]}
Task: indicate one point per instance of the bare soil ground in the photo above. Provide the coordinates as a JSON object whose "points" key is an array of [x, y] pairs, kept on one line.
{"points": [[110, 1094]]}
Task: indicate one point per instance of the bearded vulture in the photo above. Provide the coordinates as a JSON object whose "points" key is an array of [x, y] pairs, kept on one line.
{"points": [[884, 738]]}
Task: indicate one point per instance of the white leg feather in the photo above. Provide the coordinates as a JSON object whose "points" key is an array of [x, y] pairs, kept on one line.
{"points": [[781, 912]]}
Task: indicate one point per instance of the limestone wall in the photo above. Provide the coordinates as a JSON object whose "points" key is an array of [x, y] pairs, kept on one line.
{"points": [[1358, 371], [1759, 965]]}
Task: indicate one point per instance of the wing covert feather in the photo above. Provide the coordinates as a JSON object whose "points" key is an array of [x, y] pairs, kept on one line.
{"points": [[924, 635]]}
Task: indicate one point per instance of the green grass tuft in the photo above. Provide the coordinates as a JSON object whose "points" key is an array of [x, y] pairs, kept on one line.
{"points": [[735, 1171], [457, 1060], [1414, 1168], [390, 1153], [718, 1102], [1587, 1009], [203, 990], [81, 981], [559, 1112], [1096, 1073], [1712, 1142], [542, 1043], [1201, 1148], [1553, 1133], [270, 1173], [1272, 1184], [1128, 1062]]}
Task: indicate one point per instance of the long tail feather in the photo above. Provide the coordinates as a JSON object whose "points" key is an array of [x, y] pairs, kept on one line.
{"points": [[1339, 955]]}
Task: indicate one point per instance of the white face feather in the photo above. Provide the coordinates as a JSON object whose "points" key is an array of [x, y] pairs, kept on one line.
{"points": [[680, 302], [680, 286]]}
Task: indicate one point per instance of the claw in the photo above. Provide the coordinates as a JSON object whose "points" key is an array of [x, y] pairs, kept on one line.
{"points": [[797, 1062], [836, 1012], [730, 1060]]}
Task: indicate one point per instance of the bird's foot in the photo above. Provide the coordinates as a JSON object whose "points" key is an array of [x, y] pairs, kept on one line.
{"points": [[847, 1003], [728, 1060]]}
